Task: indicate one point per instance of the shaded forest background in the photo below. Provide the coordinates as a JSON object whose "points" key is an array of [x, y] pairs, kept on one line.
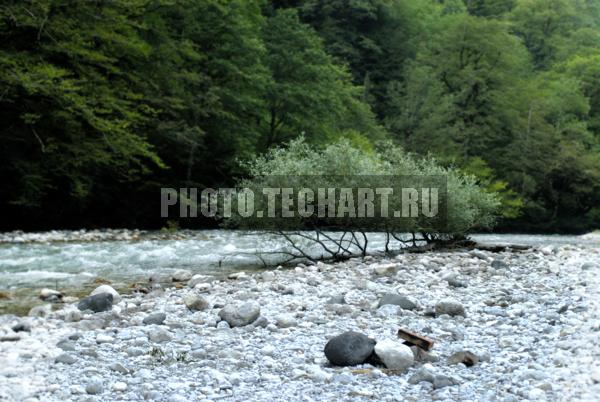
{"points": [[104, 102]]}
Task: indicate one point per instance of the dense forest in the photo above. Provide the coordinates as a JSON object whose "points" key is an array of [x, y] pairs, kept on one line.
{"points": [[104, 102]]}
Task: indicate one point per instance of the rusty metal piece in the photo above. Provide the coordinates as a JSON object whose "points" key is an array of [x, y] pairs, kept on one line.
{"points": [[410, 338]]}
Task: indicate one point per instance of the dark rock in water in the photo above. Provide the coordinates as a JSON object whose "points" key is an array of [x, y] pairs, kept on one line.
{"points": [[349, 349], [499, 264], [397, 300], [97, 303], [156, 318], [21, 326]]}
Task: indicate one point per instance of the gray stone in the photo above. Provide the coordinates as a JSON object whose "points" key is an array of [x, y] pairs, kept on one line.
{"points": [[450, 307], [342, 379], [73, 315], [135, 351], [499, 264], [40, 311], [94, 387], [337, 299], [159, 334], [66, 345], [349, 349], [181, 275], [89, 352], [398, 300], [288, 290], [424, 356], [285, 321], [96, 303], [155, 318], [386, 269], [238, 315], [389, 310], [119, 368], [261, 322], [588, 266], [21, 326], [65, 359], [457, 282], [465, 357], [424, 374], [223, 325], [268, 276], [441, 381], [479, 254], [196, 302], [339, 309]]}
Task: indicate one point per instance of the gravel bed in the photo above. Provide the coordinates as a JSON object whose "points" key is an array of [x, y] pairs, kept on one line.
{"points": [[530, 320]]}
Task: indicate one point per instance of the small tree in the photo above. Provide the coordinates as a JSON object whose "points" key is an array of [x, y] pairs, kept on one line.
{"points": [[342, 164]]}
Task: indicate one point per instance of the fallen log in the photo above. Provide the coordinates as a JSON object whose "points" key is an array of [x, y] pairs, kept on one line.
{"points": [[414, 339]]}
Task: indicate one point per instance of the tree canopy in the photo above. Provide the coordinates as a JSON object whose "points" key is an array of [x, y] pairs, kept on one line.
{"points": [[103, 103]]}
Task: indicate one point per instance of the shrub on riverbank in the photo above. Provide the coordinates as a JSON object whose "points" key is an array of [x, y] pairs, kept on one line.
{"points": [[469, 207]]}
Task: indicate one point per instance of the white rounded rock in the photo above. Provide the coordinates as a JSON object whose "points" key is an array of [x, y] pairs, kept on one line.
{"points": [[181, 275], [119, 386], [107, 289], [394, 354]]}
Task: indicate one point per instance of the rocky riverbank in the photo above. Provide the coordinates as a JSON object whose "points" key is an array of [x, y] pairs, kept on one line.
{"points": [[83, 236], [506, 326]]}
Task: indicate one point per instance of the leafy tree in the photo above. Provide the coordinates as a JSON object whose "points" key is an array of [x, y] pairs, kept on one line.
{"points": [[489, 8], [544, 26], [71, 107], [459, 94], [210, 73], [374, 37], [308, 93]]}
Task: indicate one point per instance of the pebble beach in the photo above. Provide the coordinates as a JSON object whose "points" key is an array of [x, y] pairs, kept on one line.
{"points": [[506, 326]]}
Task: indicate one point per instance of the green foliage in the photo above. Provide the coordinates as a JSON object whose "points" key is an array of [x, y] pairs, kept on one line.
{"points": [[70, 107], [102, 98], [308, 93], [102, 103], [469, 206]]}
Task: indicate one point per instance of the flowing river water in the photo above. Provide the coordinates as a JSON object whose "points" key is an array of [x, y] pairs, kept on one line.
{"points": [[58, 260]]}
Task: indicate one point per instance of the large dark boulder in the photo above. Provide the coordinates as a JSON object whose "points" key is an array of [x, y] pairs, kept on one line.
{"points": [[97, 303], [349, 349]]}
